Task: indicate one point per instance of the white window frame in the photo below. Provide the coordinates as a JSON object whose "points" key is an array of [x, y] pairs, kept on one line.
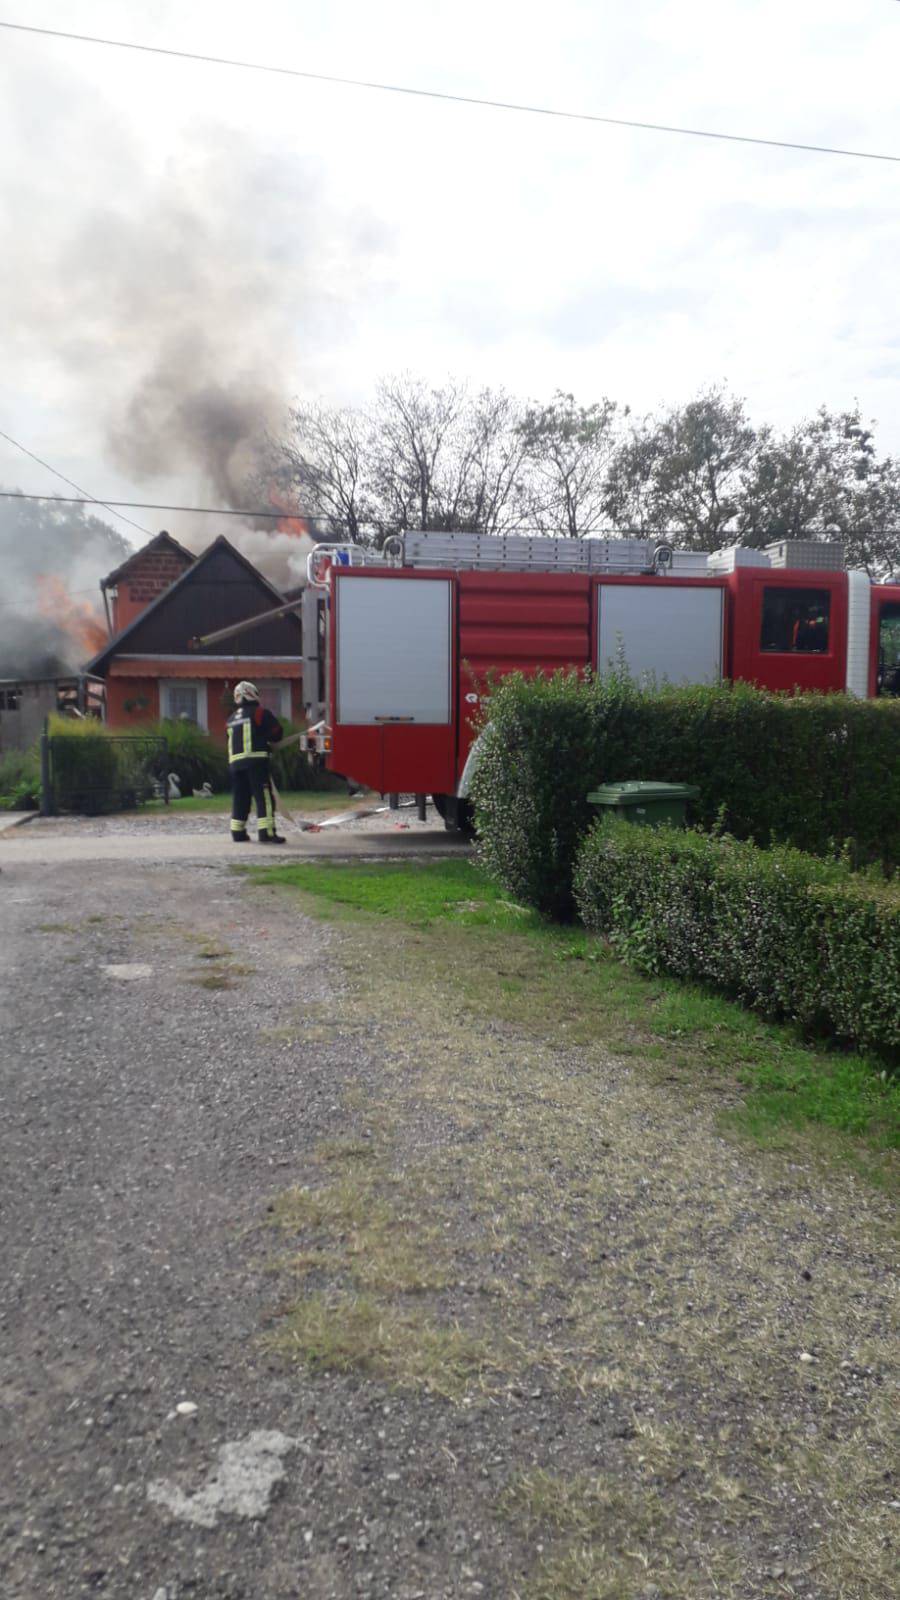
{"points": [[282, 707], [167, 684]]}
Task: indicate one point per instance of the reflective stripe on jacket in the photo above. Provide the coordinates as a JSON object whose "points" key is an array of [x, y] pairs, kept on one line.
{"points": [[251, 730]]}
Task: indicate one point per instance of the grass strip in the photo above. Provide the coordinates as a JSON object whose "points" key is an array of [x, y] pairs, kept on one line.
{"points": [[506, 961]]}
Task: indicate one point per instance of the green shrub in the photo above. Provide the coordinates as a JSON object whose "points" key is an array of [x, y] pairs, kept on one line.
{"points": [[547, 743], [20, 780], [813, 771], [788, 934], [194, 756]]}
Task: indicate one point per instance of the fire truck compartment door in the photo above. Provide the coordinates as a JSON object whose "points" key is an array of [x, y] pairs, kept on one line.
{"points": [[671, 632], [393, 650]]}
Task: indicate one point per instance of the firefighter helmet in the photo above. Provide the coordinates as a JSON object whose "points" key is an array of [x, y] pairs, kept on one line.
{"points": [[245, 691]]}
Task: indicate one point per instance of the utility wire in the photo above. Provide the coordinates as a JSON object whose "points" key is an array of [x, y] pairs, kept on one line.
{"points": [[299, 516], [437, 94], [149, 505], [88, 501]]}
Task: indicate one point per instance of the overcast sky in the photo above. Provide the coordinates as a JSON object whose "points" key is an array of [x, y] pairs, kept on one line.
{"points": [[163, 217]]}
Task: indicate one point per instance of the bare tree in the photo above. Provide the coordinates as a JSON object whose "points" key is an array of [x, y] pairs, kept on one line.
{"points": [[490, 457], [413, 426], [444, 458], [327, 457], [569, 449]]}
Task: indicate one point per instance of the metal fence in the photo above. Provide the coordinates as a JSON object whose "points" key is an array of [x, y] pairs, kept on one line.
{"points": [[92, 772]]}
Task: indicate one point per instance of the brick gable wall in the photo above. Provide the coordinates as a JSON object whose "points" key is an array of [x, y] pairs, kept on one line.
{"points": [[146, 579]]}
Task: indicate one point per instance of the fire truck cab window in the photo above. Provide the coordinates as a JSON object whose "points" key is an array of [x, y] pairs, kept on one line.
{"points": [[796, 621], [889, 650]]}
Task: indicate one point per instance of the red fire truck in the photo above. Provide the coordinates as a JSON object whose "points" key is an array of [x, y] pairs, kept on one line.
{"points": [[399, 645]]}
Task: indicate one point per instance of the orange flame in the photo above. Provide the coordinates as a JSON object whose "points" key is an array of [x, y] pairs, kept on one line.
{"points": [[290, 523], [78, 618]]}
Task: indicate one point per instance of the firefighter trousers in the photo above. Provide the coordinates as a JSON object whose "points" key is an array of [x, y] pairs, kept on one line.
{"points": [[252, 783]]}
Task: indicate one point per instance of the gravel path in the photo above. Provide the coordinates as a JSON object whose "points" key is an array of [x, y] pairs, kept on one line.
{"points": [[179, 1048], [162, 824]]}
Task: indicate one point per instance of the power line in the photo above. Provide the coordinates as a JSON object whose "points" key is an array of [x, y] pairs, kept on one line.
{"points": [[88, 501], [438, 94], [149, 505], [299, 516]]}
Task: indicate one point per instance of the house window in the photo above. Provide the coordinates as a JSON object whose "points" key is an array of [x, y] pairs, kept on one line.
{"points": [[276, 697], [183, 700], [10, 697], [795, 621]]}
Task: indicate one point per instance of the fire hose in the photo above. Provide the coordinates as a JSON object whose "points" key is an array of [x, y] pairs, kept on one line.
{"points": [[278, 803]]}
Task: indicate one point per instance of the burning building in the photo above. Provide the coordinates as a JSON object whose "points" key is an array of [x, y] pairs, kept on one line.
{"points": [[161, 598]]}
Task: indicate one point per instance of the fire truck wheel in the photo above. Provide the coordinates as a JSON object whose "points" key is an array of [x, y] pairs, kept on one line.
{"points": [[465, 818], [457, 814]]}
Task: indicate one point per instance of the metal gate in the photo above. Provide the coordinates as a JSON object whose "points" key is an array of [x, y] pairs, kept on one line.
{"points": [[92, 772]]}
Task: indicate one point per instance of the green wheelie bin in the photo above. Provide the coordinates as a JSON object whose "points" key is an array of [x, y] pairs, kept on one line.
{"points": [[653, 805]]}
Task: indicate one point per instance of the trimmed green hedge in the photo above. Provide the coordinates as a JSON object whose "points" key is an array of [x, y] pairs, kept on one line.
{"points": [[812, 771], [787, 934]]}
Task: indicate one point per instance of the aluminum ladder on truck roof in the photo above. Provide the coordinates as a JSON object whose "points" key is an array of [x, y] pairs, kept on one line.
{"points": [[514, 552]]}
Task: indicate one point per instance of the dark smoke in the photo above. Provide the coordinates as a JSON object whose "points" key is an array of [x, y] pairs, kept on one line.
{"points": [[183, 309], [204, 309]]}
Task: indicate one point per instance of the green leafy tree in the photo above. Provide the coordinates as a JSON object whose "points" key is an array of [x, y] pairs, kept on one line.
{"points": [[569, 450], [682, 474]]}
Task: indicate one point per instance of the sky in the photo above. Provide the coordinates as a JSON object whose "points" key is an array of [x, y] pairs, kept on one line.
{"points": [[174, 229]]}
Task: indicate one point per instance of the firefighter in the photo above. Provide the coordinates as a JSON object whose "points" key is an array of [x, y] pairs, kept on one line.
{"points": [[251, 731]]}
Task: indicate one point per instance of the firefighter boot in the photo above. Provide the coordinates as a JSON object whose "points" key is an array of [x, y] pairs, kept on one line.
{"points": [[272, 838], [241, 837]]}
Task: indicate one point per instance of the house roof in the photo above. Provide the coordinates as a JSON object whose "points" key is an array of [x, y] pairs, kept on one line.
{"points": [[162, 541], [219, 587]]}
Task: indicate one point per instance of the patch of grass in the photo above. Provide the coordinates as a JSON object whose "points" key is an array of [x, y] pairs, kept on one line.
{"points": [[345, 1150], [611, 1540], [560, 981], [367, 1225], [56, 927], [357, 1333], [219, 977], [418, 894], [212, 980]]}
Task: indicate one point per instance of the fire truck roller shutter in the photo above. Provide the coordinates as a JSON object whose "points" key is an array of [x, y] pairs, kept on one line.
{"points": [[664, 631], [393, 650]]}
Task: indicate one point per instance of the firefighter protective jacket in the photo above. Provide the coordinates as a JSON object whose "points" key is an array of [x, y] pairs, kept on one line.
{"points": [[251, 731]]}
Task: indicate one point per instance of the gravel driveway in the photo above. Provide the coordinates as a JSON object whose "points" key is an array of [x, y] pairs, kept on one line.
{"points": [[177, 1051]]}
